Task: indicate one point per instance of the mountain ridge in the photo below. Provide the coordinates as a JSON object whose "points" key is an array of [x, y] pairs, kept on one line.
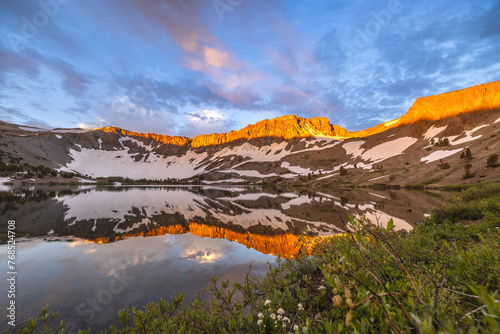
{"points": [[434, 107], [282, 149]]}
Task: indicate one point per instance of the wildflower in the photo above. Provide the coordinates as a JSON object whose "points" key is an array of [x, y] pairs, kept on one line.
{"points": [[273, 316], [259, 322], [281, 311], [321, 287], [279, 317], [267, 302], [295, 328], [348, 319], [284, 325], [348, 299], [300, 307], [260, 315], [286, 319]]}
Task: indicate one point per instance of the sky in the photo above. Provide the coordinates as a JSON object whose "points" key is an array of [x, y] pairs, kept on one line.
{"points": [[190, 67]]}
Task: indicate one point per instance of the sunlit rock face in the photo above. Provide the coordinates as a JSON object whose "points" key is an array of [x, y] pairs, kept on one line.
{"points": [[175, 140], [436, 107], [285, 127]]}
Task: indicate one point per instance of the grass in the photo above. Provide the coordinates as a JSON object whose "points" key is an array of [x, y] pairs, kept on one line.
{"points": [[441, 277]]}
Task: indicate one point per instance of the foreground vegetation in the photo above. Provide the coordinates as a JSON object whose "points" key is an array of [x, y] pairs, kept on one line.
{"points": [[442, 277]]}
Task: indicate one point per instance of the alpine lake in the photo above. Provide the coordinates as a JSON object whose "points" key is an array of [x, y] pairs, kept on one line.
{"points": [[89, 251]]}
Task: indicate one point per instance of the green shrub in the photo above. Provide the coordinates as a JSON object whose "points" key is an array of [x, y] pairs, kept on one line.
{"points": [[467, 174], [468, 154], [443, 165], [492, 161]]}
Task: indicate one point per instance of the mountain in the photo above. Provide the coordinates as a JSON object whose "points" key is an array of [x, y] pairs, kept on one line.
{"points": [[423, 146]]}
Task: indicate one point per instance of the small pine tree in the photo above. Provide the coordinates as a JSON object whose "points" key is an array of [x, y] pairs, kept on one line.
{"points": [[443, 142], [492, 161], [342, 171], [443, 165], [462, 155], [468, 154], [467, 174]]}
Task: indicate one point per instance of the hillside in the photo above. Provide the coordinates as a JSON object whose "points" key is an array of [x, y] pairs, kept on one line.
{"points": [[423, 146]]}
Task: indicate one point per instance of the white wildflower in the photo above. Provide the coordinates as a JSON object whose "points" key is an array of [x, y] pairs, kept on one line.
{"points": [[279, 317], [267, 302], [295, 328], [259, 322], [273, 316], [300, 307], [281, 311], [286, 319], [260, 315], [321, 287]]}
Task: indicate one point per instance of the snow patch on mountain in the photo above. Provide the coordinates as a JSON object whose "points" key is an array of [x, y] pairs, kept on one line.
{"points": [[295, 169], [354, 148], [434, 156], [433, 132], [389, 149], [468, 136], [121, 163]]}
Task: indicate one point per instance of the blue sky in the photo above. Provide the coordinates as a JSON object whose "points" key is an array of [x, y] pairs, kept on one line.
{"points": [[186, 67]]}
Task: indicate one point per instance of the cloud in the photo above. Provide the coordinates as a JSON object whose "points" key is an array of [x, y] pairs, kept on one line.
{"points": [[206, 122], [16, 116], [345, 60], [30, 23], [30, 63]]}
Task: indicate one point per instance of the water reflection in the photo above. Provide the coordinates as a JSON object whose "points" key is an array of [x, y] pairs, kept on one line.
{"points": [[80, 251], [268, 221]]}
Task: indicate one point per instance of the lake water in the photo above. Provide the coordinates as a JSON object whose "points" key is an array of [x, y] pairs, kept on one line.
{"points": [[89, 252]]}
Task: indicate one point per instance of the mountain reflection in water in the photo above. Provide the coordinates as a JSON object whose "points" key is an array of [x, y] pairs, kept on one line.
{"points": [[270, 221]]}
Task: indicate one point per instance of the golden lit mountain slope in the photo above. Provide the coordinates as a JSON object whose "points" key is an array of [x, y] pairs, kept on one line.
{"points": [[285, 127], [436, 107]]}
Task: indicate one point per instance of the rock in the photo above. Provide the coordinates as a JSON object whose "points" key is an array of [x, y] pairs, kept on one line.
{"points": [[436, 107]]}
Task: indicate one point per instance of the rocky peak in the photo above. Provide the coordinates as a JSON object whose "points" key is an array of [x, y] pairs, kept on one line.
{"points": [[284, 127], [172, 140], [436, 107]]}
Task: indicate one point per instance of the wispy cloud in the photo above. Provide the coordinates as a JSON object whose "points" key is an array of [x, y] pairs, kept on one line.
{"points": [[162, 65]]}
